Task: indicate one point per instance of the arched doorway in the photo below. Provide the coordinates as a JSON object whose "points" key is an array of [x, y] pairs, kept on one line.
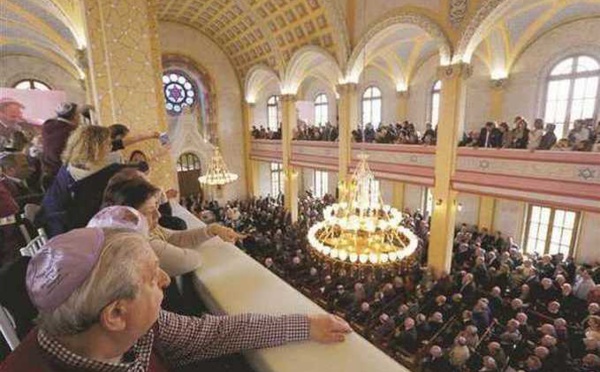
{"points": [[188, 171]]}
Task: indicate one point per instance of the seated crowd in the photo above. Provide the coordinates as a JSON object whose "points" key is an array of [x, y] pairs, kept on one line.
{"points": [[582, 137], [497, 310], [95, 296]]}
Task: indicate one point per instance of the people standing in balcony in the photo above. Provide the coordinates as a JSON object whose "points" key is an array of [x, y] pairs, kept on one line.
{"points": [[549, 138], [520, 135], [55, 133], [578, 134], [536, 134], [489, 136]]}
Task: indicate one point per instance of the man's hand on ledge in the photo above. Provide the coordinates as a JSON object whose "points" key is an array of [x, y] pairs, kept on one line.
{"points": [[328, 328], [224, 233]]}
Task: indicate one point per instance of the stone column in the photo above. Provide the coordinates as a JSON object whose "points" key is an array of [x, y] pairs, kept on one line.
{"points": [[125, 74], [497, 99], [487, 209], [398, 195], [449, 129], [348, 119], [289, 122], [251, 175], [402, 105]]}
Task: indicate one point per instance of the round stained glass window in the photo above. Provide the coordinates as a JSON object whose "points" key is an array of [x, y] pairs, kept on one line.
{"points": [[179, 92]]}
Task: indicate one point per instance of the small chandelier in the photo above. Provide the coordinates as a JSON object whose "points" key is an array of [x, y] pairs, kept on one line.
{"points": [[360, 228], [217, 173]]}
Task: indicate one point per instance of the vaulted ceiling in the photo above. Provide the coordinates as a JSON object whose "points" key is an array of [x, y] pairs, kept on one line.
{"points": [[262, 31]]}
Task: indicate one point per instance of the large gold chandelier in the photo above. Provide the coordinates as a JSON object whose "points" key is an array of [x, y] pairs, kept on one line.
{"points": [[217, 173], [360, 228]]}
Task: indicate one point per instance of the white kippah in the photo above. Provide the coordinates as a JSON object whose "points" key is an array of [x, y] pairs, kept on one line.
{"points": [[64, 108]]}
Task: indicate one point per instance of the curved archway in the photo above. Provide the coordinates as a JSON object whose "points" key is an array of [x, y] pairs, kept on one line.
{"points": [[257, 78], [489, 12], [421, 28], [310, 60]]}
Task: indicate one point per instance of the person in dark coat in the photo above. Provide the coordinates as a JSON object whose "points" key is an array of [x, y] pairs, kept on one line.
{"points": [[55, 133], [490, 136], [76, 193], [549, 138]]}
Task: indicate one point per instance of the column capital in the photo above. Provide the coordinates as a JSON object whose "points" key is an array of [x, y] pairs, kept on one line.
{"points": [[461, 69], [288, 98], [403, 94], [250, 104], [499, 84], [346, 87]]}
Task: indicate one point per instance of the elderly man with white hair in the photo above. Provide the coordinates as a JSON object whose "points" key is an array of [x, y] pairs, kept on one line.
{"points": [[98, 292]]}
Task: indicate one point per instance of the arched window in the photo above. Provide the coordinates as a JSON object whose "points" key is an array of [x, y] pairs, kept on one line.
{"points": [[188, 162], [276, 179], [572, 92], [321, 110], [321, 183], [434, 115], [371, 107], [273, 113], [179, 91], [31, 84]]}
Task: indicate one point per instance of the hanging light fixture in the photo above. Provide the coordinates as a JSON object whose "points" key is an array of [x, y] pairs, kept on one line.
{"points": [[217, 174], [360, 228]]}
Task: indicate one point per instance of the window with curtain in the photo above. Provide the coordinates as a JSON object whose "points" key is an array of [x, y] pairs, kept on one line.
{"points": [[321, 110], [550, 230], [321, 183], [31, 84], [371, 107], [273, 113], [276, 179], [572, 92], [434, 115]]}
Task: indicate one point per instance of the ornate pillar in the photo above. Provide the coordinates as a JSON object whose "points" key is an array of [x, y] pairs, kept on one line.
{"points": [[452, 107], [125, 73], [251, 174], [289, 122], [348, 119], [402, 105], [497, 99], [487, 209]]}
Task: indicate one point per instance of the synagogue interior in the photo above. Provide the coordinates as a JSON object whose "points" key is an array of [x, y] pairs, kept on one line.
{"points": [[300, 185]]}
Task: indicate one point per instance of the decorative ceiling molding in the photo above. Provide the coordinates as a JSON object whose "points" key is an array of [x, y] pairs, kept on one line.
{"points": [[310, 60], [478, 26], [458, 11], [267, 32], [257, 78], [429, 26]]}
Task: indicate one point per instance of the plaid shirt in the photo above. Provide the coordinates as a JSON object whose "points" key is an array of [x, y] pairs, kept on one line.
{"points": [[184, 340]]}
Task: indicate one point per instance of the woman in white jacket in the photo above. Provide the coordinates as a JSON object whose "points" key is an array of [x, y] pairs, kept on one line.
{"points": [[177, 251]]}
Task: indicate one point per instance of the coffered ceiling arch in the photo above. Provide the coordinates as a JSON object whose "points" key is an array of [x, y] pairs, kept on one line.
{"points": [[266, 32]]}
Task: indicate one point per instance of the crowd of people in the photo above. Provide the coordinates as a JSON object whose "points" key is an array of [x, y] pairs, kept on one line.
{"points": [[582, 137], [399, 133], [100, 287], [497, 310]]}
